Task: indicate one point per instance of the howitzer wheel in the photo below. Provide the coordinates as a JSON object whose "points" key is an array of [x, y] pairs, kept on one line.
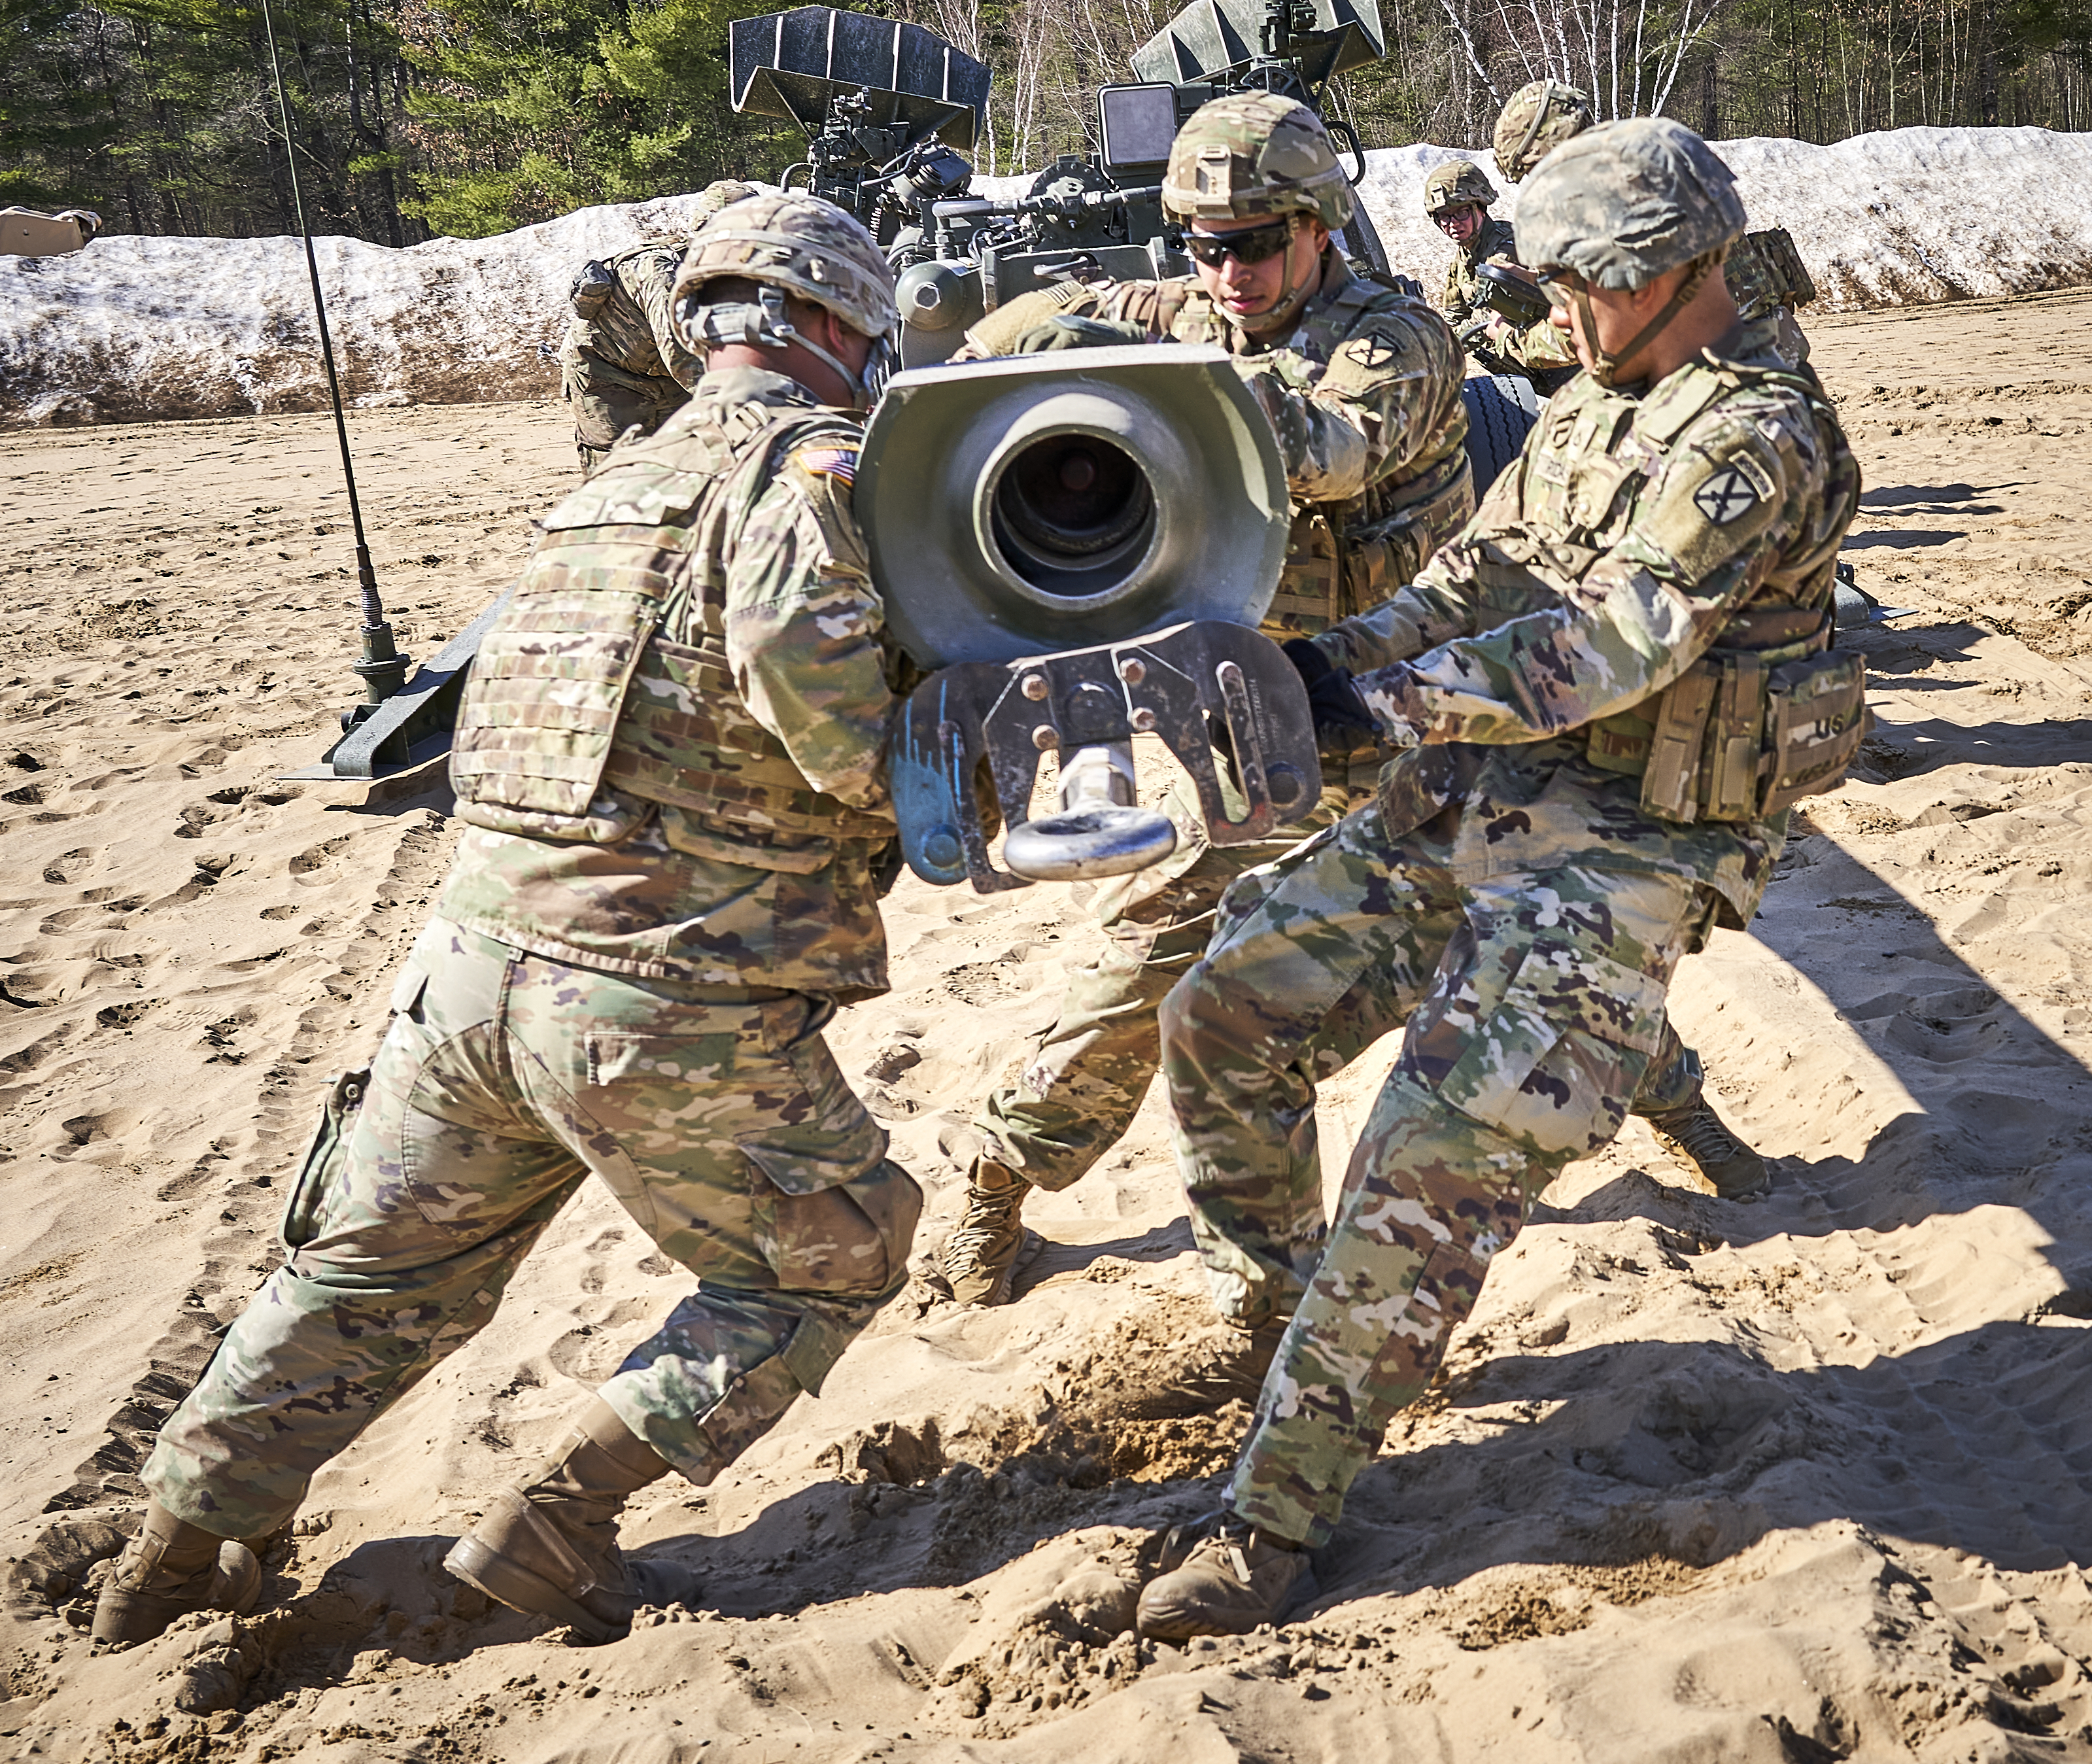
{"points": [[1502, 409]]}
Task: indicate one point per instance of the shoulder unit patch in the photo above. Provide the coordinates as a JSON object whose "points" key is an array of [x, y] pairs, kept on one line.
{"points": [[1726, 496]]}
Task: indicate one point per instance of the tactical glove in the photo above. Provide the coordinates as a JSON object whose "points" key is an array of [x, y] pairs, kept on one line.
{"points": [[1331, 696], [1071, 330]]}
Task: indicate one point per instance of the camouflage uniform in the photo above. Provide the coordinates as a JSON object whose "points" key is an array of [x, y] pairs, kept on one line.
{"points": [[1458, 183], [670, 761], [621, 367], [621, 364], [1495, 240], [1539, 352], [1363, 390], [1519, 894], [1765, 292]]}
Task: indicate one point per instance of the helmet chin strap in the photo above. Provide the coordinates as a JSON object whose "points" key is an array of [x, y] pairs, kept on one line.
{"points": [[1292, 294], [763, 323], [1605, 364]]}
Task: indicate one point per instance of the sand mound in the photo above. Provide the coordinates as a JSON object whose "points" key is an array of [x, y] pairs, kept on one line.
{"points": [[1799, 1481]]}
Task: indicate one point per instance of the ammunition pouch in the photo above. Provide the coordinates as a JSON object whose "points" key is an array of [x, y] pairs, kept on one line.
{"points": [[593, 283], [1749, 729], [1330, 574]]}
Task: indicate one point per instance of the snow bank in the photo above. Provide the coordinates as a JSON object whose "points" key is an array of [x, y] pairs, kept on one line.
{"points": [[141, 328], [137, 328], [1911, 215]]}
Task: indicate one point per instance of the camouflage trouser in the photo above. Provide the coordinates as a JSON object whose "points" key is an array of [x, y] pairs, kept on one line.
{"points": [[1071, 1099], [1534, 997], [607, 400], [716, 1116]]}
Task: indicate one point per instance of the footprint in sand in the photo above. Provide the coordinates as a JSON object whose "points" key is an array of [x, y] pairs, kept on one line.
{"points": [[72, 867]]}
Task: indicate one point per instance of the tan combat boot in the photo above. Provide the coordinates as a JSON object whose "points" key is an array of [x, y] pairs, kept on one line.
{"points": [[1233, 1578], [549, 1546], [1695, 1134], [981, 1258], [169, 1569]]}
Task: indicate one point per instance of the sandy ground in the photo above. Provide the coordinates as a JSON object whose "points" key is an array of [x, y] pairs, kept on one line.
{"points": [[1800, 1480]]}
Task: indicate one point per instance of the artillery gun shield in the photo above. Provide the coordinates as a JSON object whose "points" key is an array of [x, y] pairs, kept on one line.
{"points": [[793, 64], [1208, 40]]}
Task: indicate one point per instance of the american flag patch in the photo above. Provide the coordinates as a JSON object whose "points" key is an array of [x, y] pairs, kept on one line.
{"points": [[828, 462]]}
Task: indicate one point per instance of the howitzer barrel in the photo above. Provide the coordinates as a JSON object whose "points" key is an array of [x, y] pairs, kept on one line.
{"points": [[1043, 529], [1086, 201], [1024, 505]]}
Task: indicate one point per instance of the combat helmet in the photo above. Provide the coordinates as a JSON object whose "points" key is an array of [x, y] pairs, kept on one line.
{"points": [[718, 194], [790, 244], [1622, 204], [1538, 119], [1252, 154], [1455, 184]]}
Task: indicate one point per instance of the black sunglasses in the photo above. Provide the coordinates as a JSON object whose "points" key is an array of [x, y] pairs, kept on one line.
{"points": [[1252, 244], [1559, 280]]}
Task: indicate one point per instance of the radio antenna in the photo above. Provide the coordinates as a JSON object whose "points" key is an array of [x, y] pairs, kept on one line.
{"points": [[383, 669]]}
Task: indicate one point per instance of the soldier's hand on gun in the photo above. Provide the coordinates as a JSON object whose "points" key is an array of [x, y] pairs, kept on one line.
{"points": [[1072, 330], [1484, 330], [1332, 699]]}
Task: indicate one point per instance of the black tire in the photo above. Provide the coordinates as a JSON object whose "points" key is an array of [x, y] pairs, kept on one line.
{"points": [[1502, 409]]}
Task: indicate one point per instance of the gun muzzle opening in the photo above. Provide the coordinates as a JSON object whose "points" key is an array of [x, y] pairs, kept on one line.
{"points": [[1073, 515]]}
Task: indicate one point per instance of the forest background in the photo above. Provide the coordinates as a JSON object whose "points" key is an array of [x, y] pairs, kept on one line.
{"points": [[412, 119]]}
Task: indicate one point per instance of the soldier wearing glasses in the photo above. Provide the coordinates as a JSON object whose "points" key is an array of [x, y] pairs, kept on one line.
{"points": [[1363, 385]]}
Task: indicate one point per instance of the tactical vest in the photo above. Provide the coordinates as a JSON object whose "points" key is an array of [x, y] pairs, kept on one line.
{"points": [[1344, 559], [603, 694], [1770, 713]]}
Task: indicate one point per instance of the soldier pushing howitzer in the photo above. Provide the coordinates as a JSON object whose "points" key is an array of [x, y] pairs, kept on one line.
{"points": [[1362, 384], [671, 763], [1608, 688]]}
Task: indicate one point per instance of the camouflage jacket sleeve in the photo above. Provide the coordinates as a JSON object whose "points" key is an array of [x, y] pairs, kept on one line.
{"points": [[1741, 490], [1454, 303], [1539, 346], [1387, 397], [656, 286], [994, 335], [804, 630]]}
